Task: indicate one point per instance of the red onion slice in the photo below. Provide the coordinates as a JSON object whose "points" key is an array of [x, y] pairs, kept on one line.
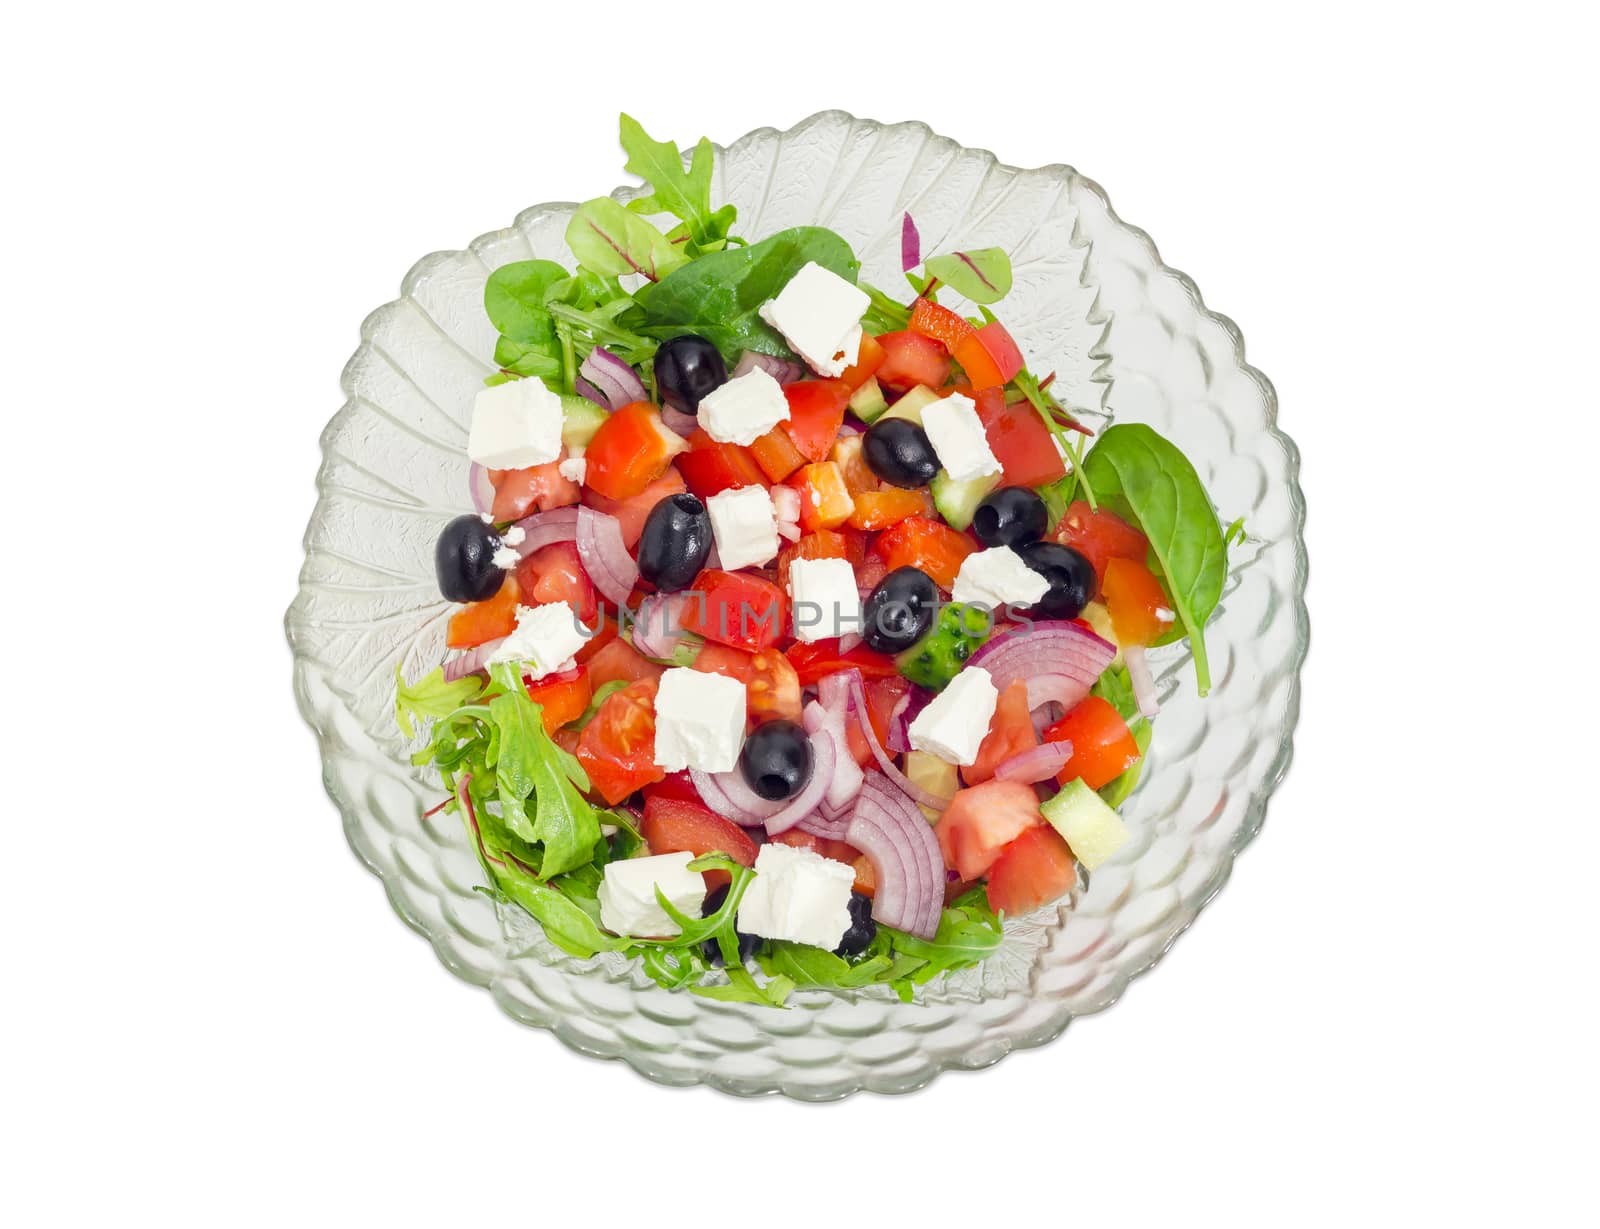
{"points": [[851, 680], [604, 556], [905, 712], [1050, 647], [828, 829], [471, 661], [781, 370], [1056, 689], [657, 624], [709, 787], [788, 531], [887, 827], [823, 761], [681, 423], [1144, 684], [910, 245], [617, 382], [1035, 764], [543, 528], [482, 489], [847, 774]]}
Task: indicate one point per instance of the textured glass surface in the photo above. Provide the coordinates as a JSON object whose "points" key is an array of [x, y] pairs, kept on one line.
{"points": [[1128, 338]]}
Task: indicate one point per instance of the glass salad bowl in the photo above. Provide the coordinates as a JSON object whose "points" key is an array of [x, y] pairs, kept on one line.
{"points": [[1127, 337]]}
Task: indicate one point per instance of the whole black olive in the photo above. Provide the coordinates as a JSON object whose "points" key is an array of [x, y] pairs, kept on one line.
{"points": [[674, 543], [899, 612], [1010, 516], [463, 559], [776, 760], [1071, 578], [687, 368], [899, 451], [863, 930], [747, 943]]}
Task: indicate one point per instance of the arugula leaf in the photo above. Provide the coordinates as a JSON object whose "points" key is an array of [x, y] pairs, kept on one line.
{"points": [[684, 194], [719, 294], [430, 696], [968, 931], [1145, 479], [530, 765], [610, 241], [565, 923], [981, 274]]}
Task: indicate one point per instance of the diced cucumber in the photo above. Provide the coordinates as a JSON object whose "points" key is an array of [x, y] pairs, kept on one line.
{"points": [[912, 404], [867, 403], [939, 656], [957, 501], [1091, 828], [580, 419]]}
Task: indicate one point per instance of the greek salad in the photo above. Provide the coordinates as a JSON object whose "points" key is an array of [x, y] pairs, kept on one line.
{"points": [[802, 630]]}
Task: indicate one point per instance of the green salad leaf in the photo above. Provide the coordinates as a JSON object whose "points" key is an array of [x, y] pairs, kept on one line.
{"points": [[609, 240], [982, 274], [1146, 480], [514, 299], [719, 294], [430, 696], [686, 194]]}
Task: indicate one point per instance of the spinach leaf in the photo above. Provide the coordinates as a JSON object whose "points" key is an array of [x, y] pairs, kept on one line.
{"points": [[1145, 479], [610, 241], [430, 696], [514, 298], [982, 274], [719, 295], [684, 194]]}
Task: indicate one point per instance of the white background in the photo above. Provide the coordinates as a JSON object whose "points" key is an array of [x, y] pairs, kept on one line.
{"points": [[213, 1016]]}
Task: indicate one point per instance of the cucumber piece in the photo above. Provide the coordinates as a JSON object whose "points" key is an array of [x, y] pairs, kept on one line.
{"points": [[1091, 828], [957, 501], [867, 403], [580, 419], [939, 656], [912, 404]]}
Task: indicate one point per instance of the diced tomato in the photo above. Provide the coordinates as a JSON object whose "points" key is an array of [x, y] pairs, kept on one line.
{"points": [[618, 746], [856, 543], [632, 513], [846, 454], [910, 359], [866, 878], [1010, 733], [825, 501], [922, 542], [776, 454], [1135, 601], [721, 659], [816, 412], [823, 544], [930, 319], [981, 821], [710, 466], [868, 359], [673, 785], [869, 572], [821, 658], [604, 635], [773, 689], [1102, 746], [620, 660], [673, 825], [631, 449], [736, 608], [522, 492], [890, 506], [1032, 871], [480, 622], [858, 746], [839, 851], [1100, 536], [1005, 352], [563, 697], [554, 573], [1019, 440], [883, 695]]}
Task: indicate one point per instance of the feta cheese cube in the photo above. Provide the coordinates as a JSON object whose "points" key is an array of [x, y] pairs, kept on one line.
{"points": [[744, 526], [996, 578], [824, 598], [627, 894], [546, 638], [799, 896], [744, 409], [515, 425], [953, 724], [819, 315], [699, 721], [956, 433]]}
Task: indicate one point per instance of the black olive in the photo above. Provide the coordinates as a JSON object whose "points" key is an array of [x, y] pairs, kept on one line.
{"points": [[674, 543], [899, 452], [863, 930], [687, 368], [1011, 516], [899, 612], [776, 760], [464, 560], [1071, 578], [747, 943]]}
